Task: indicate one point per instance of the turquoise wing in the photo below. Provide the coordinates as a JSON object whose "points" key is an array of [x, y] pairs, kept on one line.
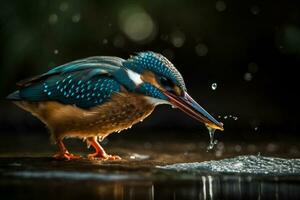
{"points": [[85, 83]]}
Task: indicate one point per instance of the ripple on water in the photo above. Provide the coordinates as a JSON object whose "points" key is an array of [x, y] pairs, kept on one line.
{"points": [[242, 164]]}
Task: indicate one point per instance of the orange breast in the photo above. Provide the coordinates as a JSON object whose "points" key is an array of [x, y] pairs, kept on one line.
{"points": [[124, 110], [120, 113]]}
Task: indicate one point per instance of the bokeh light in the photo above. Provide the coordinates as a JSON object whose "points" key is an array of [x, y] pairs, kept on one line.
{"points": [[248, 76], [76, 18], [137, 24], [53, 18], [64, 6], [220, 6], [255, 10], [177, 38], [201, 50]]}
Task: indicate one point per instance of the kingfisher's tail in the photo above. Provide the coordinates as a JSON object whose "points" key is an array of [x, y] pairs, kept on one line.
{"points": [[15, 96]]}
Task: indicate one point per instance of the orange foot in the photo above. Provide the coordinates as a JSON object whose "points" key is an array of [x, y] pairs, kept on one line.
{"points": [[66, 156], [100, 153], [63, 153], [105, 156]]}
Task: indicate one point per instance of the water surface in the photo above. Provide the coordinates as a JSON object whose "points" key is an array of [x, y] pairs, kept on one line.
{"points": [[186, 170]]}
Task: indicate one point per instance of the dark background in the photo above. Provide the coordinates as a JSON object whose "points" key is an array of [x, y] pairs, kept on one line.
{"points": [[251, 49]]}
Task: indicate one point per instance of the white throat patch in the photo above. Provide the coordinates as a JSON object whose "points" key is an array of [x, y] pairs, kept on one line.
{"points": [[155, 101], [135, 77]]}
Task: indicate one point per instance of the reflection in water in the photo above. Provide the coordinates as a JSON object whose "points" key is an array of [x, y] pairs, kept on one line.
{"points": [[198, 187], [210, 187]]}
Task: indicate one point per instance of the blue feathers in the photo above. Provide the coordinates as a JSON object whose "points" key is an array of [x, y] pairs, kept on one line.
{"points": [[68, 89], [92, 81], [149, 90], [156, 63], [85, 83]]}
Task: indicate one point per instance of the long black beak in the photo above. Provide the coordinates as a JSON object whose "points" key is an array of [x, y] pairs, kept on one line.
{"points": [[188, 105]]}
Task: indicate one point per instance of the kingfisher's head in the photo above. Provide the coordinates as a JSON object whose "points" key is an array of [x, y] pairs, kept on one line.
{"points": [[156, 77]]}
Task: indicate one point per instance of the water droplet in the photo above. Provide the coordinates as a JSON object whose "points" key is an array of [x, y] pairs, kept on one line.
{"points": [[212, 142], [214, 86], [55, 51], [225, 117], [256, 128]]}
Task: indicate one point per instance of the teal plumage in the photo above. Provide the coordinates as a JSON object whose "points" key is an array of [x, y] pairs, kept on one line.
{"points": [[157, 63], [90, 82], [71, 89]]}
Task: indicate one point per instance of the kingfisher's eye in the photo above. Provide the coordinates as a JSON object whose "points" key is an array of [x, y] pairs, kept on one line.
{"points": [[167, 83]]}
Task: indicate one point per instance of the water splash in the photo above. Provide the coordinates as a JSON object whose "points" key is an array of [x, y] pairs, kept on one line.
{"points": [[229, 117], [248, 164], [212, 142]]}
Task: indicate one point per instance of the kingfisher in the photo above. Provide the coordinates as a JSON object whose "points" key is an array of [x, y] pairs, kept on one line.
{"points": [[93, 97]]}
